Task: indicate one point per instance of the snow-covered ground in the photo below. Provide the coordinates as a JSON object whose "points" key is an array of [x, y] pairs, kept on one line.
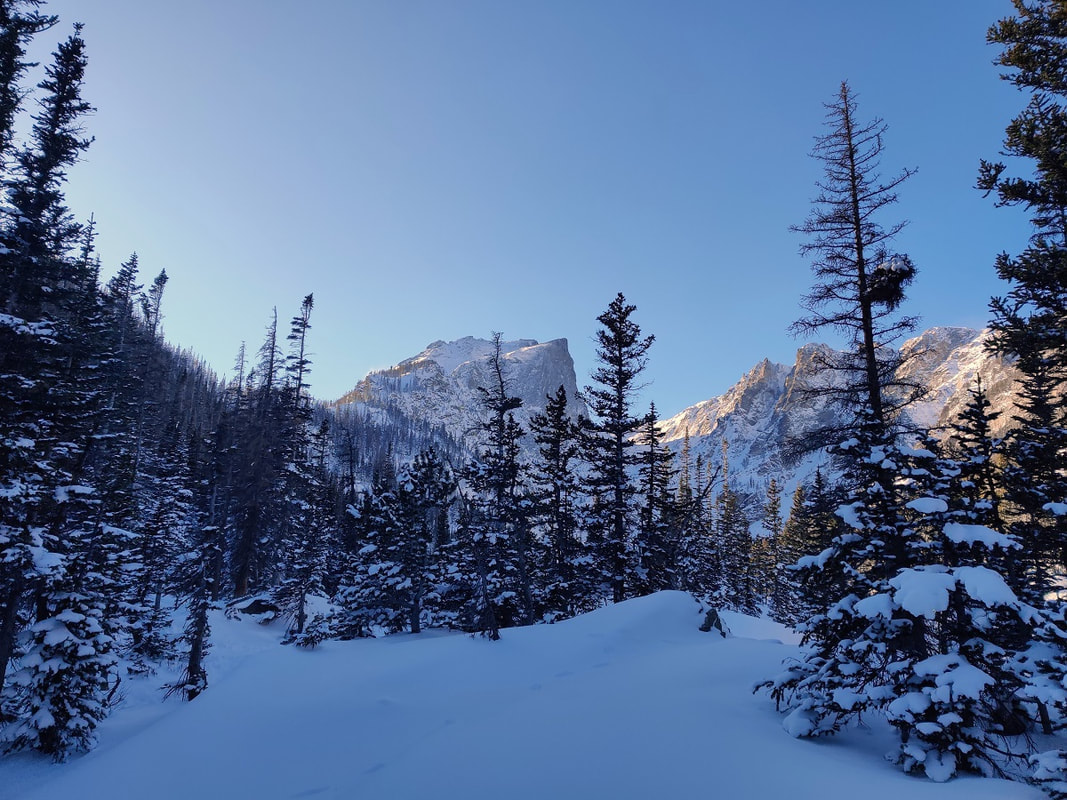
{"points": [[632, 701]]}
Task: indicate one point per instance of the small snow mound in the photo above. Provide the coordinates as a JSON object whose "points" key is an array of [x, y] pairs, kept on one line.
{"points": [[653, 616]]}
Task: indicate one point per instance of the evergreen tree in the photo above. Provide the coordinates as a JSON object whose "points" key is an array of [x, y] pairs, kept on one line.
{"points": [[1028, 320], [733, 541], [766, 569], [262, 411], [554, 491], [859, 280], [20, 21], [405, 525], [621, 355], [64, 681], [699, 569], [497, 526], [1027, 323], [657, 537], [810, 529], [49, 396]]}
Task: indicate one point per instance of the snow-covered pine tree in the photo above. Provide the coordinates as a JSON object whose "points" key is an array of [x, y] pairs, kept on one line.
{"points": [[958, 705], [699, 570], [200, 567], [262, 414], [852, 646], [304, 529], [766, 572], [497, 515], [733, 543], [404, 526], [1027, 323], [49, 401], [64, 682], [858, 647], [810, 529]]}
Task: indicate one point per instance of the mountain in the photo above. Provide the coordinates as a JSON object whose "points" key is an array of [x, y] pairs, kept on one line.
{"points": [[439, 388], [768, 408]]}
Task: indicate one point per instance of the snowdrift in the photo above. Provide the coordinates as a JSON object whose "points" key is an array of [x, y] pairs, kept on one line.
{"points": [[632, 701]]}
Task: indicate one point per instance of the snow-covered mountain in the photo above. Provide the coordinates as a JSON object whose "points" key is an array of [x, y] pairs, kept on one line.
{"points": [[768, 407], [439, 387]]}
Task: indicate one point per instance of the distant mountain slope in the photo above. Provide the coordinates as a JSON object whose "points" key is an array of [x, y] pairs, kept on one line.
{"points": [[768, 407], [439, 386]]}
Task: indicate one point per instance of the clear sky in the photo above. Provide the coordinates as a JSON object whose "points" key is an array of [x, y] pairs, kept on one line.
{"points": [[432, 169]]}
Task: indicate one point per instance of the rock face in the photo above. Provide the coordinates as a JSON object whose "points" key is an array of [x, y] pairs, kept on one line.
{"points": [[439, 387], [768, 407]]}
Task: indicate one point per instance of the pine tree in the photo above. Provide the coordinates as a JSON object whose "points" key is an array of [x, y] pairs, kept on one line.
{"points": [[699, 570], [765, 549], [733, 541], [498, 529], [554, 492], [262, 413], [20, 21], [65, 675], [1028, 321], [41, 232], [847, 667], [405, 524], [658, 522], [49, 410], [810, 529], [859, 281], [621, 355]]}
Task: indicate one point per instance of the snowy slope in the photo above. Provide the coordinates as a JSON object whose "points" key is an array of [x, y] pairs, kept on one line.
{"points": [[631, 701]]}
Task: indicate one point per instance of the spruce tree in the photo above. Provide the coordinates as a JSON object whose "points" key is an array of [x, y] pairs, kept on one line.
{"points": [[733, 542], [621, 357], [657, 536], [497, 526], [859, 280], [555, 494], [1027, 323]]}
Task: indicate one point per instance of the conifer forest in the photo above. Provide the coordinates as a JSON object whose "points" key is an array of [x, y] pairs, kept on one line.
{"points": [[140, 493]]}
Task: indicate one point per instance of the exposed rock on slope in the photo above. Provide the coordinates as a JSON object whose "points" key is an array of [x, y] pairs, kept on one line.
{"points": [[769, 407], [439, 386]]}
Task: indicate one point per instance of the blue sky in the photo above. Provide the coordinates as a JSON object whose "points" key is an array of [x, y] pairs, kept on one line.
{"points": [[432, 169]]}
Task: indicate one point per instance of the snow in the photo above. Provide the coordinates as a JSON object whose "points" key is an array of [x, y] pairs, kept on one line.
{"points": [[928, 505], [924, 591], [847, 514], [986, 586], [64, 493], [953, 676], [960, 533], [449, 356], [631, 701], [874, 607], [23, 327], [1059, 509]]}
